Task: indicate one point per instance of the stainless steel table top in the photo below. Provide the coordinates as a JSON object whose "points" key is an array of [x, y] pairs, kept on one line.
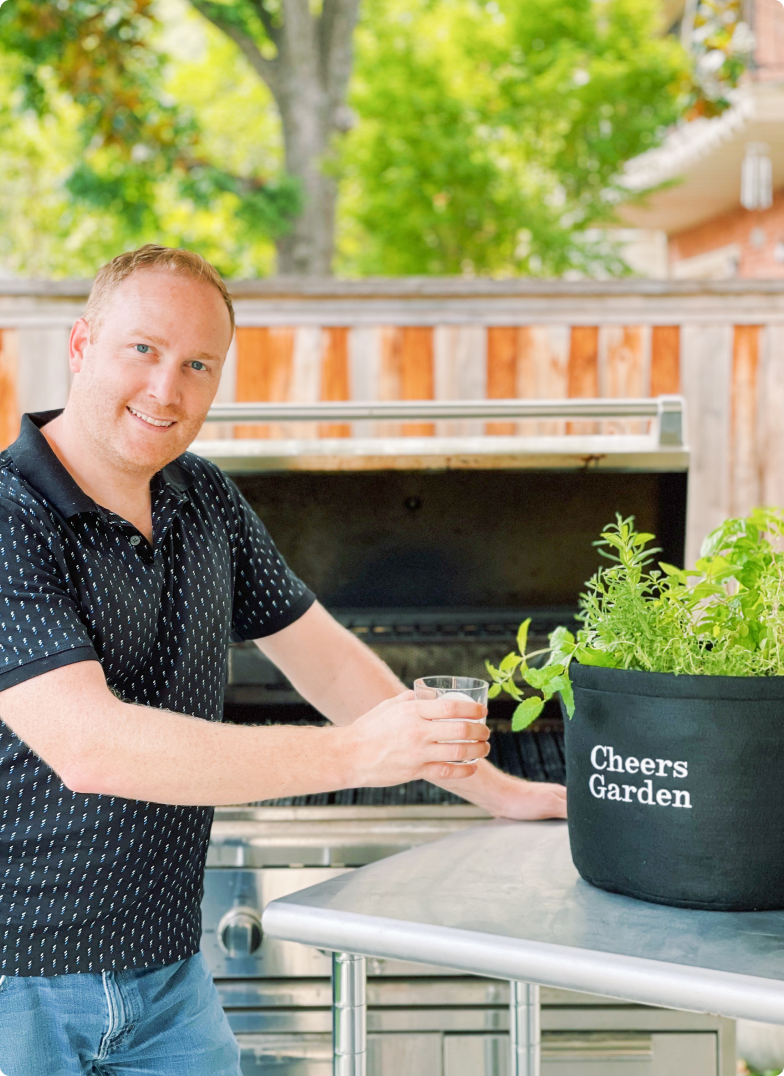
{"points": [[503, 899]]}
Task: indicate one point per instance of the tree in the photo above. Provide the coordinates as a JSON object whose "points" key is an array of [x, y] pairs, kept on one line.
{"points": [[494, 134], [133, 138], [305, 58]]}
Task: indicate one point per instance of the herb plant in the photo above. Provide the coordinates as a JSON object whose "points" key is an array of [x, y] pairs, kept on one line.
{"points": [[724, 617]]}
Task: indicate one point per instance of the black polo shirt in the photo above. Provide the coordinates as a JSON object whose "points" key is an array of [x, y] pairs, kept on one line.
{"points": [[95, 883]]}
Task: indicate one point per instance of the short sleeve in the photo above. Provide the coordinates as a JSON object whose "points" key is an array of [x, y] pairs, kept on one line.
{"points": [[40, 627], [268, 596]]}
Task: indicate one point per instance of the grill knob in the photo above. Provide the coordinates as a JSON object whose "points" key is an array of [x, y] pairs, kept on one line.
{"points": [[239, 932]]}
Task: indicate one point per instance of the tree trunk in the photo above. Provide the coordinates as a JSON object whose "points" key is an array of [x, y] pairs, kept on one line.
{"points": [[308, 78], [307, 132]]}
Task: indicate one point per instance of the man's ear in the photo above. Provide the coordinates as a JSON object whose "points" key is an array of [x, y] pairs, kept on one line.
{"points": [[80, 338]]}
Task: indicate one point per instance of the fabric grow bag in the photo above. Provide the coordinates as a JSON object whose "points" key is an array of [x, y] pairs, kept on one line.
{"points": [[676, 787]]}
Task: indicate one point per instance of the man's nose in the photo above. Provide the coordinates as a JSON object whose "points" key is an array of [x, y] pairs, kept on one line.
{"points": [[164, 384]]}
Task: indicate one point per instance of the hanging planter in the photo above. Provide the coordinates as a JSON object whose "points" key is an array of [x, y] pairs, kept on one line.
{"points": [[674, 692]]}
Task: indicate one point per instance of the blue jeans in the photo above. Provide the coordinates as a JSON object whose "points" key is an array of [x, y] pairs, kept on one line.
{"points": [[159, 1021]]}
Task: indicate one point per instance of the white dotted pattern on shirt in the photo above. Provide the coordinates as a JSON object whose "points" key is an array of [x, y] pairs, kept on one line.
{"points": [[93, 883]]}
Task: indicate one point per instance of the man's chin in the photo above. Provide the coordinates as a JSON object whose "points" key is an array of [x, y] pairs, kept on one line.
{"points": [[140, 455]]}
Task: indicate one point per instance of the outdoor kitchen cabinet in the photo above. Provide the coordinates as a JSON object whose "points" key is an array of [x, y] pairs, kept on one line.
{"points": [[422, 1020], [583, 1036]]}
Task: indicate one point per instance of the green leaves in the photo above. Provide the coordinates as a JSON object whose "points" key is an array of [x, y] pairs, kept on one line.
{"points": [[526, 713], [725, 616]]}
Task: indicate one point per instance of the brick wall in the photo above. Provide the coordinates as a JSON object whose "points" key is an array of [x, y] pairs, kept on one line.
{"points": [[759, 236]]}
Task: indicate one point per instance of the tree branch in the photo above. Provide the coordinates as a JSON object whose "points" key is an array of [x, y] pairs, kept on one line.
{"points": [[336, 33], [219, 16], [272, 31]]}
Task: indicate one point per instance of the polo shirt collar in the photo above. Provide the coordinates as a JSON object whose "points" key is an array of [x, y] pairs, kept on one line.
{"points": [[33, 457]]}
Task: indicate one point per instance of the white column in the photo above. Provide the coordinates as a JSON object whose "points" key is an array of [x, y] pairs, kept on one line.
{"points": [[349, 1015], [524, 1029]]}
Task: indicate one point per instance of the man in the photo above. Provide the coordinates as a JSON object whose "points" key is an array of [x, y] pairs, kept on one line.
{"points": [[125, 565]]}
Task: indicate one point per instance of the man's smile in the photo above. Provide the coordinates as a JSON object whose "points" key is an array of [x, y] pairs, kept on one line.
{"points": [[150, 420]]}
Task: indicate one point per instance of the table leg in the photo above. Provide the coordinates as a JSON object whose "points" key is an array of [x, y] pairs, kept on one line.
{"points": [[524, 1032], [349, 1012]]}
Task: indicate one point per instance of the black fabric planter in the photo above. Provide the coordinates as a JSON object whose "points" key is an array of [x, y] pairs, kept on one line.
{"points": [[676, 787]]}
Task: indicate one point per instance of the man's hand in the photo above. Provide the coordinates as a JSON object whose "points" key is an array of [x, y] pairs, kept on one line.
{"points": [[404, 740]]}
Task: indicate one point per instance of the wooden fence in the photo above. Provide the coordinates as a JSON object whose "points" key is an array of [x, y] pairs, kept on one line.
{"points": [[720, 344]]}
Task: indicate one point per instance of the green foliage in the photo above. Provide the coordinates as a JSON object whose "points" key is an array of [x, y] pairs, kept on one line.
{"points": [[724, 617], [136, 164], [492, 134]]}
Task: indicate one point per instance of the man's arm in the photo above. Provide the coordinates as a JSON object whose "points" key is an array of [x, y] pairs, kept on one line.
{"points": [[343, 679], [98, 744]]}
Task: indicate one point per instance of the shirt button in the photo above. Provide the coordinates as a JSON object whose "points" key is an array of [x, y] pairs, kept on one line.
{"points": [[135, 539]]}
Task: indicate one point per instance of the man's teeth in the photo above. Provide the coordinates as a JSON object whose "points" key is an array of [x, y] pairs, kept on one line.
{"points": [[152, 421]]}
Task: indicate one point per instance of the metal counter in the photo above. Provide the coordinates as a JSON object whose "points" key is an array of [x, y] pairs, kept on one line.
{"points": [[464, 903]]}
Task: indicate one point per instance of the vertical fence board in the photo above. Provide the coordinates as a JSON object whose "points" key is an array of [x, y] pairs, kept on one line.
{"points": [[406, 373], [335, 377], [665, 360], [9, 400], [583, 373], [624, 369], [44, 375], [771, 410], [306, 375], [460, 372], [706, 375], [745, 473], [263, 372], [364, 369], [543, 372], [408, 359], [501, 371]]}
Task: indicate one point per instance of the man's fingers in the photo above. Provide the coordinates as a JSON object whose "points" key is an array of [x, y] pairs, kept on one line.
{"points": [[457, 752], [448, 709], [443, 732]]}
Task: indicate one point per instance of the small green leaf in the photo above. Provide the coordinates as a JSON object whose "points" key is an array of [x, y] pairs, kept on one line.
{"points": [[495, 673], [510, 662], [494, 691], [538, 678], [526, 713], [567, 694], [588, 655], [522, 635]]}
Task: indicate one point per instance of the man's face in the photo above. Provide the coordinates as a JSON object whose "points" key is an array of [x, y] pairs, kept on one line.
{"points": [[145, 379]]}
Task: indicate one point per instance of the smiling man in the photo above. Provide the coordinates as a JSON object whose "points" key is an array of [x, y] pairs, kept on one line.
{"points": [[126, 564]]}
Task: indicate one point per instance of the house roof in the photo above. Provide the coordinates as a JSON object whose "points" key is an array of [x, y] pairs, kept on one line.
{"points": [[702, 160]]}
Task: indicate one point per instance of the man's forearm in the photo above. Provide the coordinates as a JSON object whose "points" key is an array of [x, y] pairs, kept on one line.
{"points": [[99, 744], [330, 667]]}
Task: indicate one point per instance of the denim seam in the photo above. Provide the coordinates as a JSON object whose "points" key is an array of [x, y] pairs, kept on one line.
{"points": [[112, 1024]]}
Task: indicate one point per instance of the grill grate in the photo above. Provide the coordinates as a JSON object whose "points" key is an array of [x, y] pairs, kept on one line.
{"points": [[537, 756]]}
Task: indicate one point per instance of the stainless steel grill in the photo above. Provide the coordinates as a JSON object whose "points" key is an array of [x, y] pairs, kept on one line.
{"points": [[433, 556]]}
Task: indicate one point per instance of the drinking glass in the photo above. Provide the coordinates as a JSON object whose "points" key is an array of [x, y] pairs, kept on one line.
{"points": [[456, 687]]}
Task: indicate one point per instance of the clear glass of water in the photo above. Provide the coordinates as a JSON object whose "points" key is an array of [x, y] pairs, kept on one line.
{"points": [[428, 688]]}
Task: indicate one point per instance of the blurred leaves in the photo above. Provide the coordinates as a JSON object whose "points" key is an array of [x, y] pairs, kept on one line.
{"points": [[139, 155], [493, 133], [722, 44]]}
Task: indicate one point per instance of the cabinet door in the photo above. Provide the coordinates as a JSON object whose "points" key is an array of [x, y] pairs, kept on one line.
{"points": [[405, 1054], [285, 1055], [693, 1053], [586, 1054]]}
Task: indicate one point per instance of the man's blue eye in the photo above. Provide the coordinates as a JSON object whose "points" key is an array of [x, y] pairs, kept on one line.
{"points": [[198, 365], [142, 348]]}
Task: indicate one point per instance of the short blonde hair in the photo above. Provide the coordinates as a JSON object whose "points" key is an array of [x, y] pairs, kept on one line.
{"points": [[149, 257]]}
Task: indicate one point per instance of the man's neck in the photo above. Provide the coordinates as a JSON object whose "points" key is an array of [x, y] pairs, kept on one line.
{"points": [[126, 494]]}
